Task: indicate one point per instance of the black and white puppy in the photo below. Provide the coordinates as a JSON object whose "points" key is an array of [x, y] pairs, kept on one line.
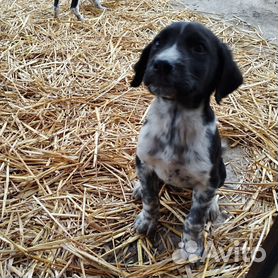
{"points": [[179, 143], [75, 7]]}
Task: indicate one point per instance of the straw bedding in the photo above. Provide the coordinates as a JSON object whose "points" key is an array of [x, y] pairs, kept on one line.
{"points": [[68, 132]]}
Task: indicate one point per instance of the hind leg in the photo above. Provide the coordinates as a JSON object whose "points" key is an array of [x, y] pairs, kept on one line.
{"points": [[97, 4], [215, 215], [56, 8], [213, 210], [75, 9], [137, 191]]}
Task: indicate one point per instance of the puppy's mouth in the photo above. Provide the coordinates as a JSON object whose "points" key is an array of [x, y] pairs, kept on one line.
{"points": [[165, 92]]}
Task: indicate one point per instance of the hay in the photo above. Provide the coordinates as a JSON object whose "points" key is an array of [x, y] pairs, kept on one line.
{"points": [[69, 126]]}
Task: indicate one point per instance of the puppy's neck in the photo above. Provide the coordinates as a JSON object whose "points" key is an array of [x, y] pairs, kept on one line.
{"points": [[166, 106], [172, 103]]}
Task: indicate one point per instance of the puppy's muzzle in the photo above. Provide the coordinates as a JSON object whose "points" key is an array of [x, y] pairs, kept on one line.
{"points": [[160, 73], [159, 78], [162, 67]]}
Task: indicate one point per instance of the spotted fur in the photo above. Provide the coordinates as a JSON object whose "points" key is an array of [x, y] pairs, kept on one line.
{"points": [[179, 143], [177, 153]]}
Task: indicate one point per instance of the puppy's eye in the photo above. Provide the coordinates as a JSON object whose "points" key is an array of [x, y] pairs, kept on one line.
{"points": [[198, 48]]}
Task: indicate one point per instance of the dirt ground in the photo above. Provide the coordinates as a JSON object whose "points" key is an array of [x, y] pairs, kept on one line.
{"points": [[262, 14]]}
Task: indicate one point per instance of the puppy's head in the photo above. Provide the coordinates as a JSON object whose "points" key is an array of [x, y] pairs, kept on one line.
{"points": [[186, 62]]}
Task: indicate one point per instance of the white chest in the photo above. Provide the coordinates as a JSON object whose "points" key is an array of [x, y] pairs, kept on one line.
{"points": [[174, 143]]}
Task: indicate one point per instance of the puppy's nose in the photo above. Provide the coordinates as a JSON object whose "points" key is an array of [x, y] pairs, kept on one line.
{"points": [[162, 66]]}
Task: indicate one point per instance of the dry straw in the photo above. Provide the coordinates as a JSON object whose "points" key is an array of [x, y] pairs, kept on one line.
{"points": [[69, 126]]}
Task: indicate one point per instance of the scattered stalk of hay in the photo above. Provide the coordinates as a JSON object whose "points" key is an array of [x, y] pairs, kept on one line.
{"points": [[69, 123]]}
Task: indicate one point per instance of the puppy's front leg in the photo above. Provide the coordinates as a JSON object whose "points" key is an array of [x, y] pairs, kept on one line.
{"points": [[203, 202], [148, 191]]}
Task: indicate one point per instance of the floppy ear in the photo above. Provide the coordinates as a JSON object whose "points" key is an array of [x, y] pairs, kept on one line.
{"points": [[140, 66], [230, 75]]}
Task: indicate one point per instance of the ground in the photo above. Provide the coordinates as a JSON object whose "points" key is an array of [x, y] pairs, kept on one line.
{"points": [[69, 123], [262, 14]]}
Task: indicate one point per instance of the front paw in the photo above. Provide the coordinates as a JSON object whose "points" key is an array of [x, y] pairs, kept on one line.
{"points": [[145, 224]]}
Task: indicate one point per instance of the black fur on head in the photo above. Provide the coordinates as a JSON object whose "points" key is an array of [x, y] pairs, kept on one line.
{"points": [[186, 62]]}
